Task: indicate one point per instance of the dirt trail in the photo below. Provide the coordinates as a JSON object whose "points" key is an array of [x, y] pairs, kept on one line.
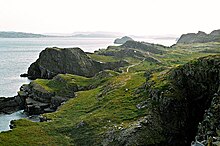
{"points": [[134, 65]]}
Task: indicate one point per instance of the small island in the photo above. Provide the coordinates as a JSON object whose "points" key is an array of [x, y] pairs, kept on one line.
{"points": [[123, 40]]}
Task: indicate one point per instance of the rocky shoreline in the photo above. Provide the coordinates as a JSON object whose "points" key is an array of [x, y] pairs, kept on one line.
{"points": [[9, 105]]}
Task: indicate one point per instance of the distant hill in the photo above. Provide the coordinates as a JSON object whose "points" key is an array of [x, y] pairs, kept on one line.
{"points": [[123, 40], [96, 34], [200, 37], [11, 34]]}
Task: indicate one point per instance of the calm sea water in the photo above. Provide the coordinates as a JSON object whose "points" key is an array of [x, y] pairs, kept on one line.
{"points": [[16, 55]]}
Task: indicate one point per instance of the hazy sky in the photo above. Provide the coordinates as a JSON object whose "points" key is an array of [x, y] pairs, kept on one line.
{"points": [[140, 17]]}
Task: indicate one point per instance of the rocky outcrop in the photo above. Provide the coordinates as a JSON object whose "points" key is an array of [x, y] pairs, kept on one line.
{"points": [[194, 85], [200, 37], [123, 40], [122, 53], [209, 127], [143, 46], [40, 98], [53, 61], [11, 104], [180, 98]]}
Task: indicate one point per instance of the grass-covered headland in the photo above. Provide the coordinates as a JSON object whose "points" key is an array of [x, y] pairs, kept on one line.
{"points": [[147, 102]]}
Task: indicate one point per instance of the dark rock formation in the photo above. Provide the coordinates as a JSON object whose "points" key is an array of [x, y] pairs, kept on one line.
{"points": [[183, 105], [123, 40], [200, 37], [39, 99], [143, 46], [122, 53], [53, 61], [24, 75], [208, 128], [11, 104]]}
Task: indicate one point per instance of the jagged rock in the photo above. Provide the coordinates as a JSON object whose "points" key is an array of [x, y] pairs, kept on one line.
{"points": [[200, 37], [195, 83], [123, 40], [24, 75], [11, 104], [210, 125], [53, 61], [38, 100]]}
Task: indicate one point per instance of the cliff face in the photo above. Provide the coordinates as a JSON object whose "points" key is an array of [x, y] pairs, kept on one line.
{"points": [[200, 37], [183, 95], [53, 61]]}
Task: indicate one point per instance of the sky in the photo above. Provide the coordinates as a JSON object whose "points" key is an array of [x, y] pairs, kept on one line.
{"points": [[134, 17]]}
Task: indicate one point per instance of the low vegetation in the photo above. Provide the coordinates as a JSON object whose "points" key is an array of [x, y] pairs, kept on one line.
{"points": [[110, 105]]}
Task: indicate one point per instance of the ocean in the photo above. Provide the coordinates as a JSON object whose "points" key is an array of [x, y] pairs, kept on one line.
{"points": [[16, 55]]}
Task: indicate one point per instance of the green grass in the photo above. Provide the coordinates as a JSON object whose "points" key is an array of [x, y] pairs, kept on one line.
{"points": [[115, 108], [102, 58], [109, 105]]}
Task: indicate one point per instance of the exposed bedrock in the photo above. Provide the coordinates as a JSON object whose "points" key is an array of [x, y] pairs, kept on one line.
{"points": [[53, 61]]}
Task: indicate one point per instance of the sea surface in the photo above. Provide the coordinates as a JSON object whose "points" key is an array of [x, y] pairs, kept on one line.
{"points": [[16, 55]]}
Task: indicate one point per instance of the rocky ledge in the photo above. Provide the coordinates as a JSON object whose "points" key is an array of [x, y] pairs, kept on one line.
{"points": [[11, 104], [39, 98]]}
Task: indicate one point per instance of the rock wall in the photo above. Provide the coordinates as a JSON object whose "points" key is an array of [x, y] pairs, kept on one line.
{"points": [[194, 85]]}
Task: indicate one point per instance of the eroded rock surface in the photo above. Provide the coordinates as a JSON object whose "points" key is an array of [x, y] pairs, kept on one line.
{"points": [[53, 61]]}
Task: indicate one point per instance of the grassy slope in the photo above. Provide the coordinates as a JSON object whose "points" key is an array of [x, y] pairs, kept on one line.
{"points": [[112, 105], [115, 108]]}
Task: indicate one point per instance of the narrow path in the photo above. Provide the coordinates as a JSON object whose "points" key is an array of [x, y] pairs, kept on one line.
{"points": [[134, 65], [148, 53]]}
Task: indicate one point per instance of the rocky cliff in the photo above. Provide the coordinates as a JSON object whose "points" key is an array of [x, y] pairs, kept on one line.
{"points": [[53, 61], [200, 37], [42, 96], [181, 97]]}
